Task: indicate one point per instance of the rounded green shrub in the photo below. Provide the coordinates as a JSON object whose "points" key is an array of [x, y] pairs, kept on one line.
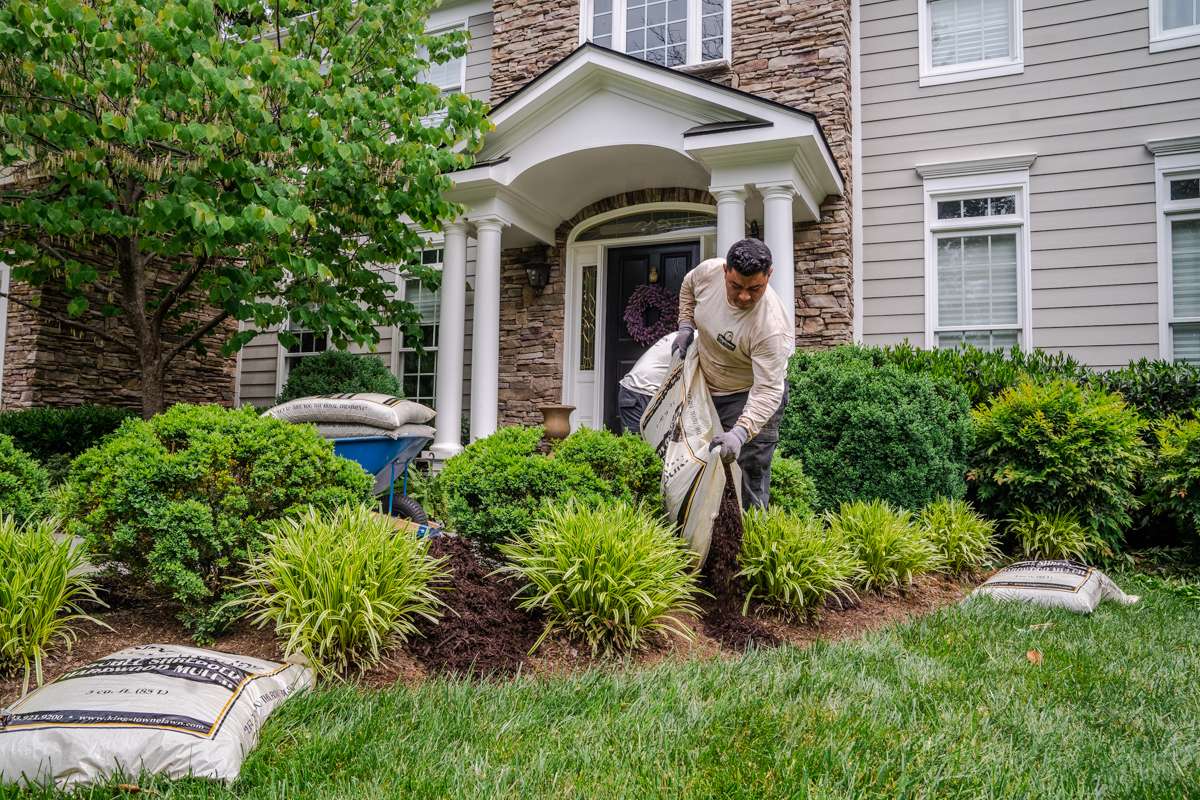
{"points": [[792, 490], [23, 483], [627, 463], [791, 562], [42, 586], [609, 575], [887, 542], [1056, 445], [965, 541], [182, 500], [866, 432], [1054, 534], [1172, 479], [54, 436], [495, 488], [338, 372], [341, 613]]}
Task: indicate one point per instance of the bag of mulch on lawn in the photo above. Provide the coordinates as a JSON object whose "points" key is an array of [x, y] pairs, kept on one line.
{"points": [[361, 408], [1056, 584], [175, 711], [680, 423]]}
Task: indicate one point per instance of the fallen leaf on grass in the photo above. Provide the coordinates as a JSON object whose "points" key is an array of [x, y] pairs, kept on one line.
{"points": [[1034, 656], [1041, 626], [134, 789]]}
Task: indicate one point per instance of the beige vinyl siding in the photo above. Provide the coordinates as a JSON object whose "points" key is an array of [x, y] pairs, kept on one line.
{"points": [[1089, 98], [261, 359]]}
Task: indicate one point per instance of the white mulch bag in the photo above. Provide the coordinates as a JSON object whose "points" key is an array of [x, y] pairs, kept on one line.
{"points": [[1056, 584], [679, 423], [342, 430], [362, 408], [177, 711]]}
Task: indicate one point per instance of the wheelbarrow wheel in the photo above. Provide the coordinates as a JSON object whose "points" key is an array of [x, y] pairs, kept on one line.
{"points": [[405, 507]]}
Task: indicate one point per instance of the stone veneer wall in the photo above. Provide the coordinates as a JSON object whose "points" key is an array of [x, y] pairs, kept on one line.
{"points": [[46, 363], [532, 326], [795, 52]]}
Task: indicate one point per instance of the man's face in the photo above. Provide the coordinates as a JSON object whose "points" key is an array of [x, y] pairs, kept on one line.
{"points": [[744, 291]]}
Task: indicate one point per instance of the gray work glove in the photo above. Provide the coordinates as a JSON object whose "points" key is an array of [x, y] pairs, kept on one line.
{"points": [[730, 442], [683, 340]]}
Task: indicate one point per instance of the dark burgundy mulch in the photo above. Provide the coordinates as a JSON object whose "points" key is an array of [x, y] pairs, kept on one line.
{"points": [[481, 631], [722, 618]]}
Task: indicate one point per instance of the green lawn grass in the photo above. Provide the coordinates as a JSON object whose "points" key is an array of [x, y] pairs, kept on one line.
{"points": [[945, 706]]}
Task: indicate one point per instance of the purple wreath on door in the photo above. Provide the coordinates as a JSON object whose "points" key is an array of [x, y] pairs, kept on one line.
{"points": [[647, 298]]}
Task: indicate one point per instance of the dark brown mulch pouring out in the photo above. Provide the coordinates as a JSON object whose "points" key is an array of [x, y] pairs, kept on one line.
{"points": [[481, 631], [723, 618]]}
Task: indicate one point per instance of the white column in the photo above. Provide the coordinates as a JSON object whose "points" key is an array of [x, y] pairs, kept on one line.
{"points": [[731, 217], [777, 220], [485, 344], [447, 442]]}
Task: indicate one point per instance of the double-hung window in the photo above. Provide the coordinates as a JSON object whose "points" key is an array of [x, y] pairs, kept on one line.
{"points": [[308, 343], [672, 33], [977, 263], [418, 371], [1179, 255], [1174, 24], [449, 76], [968, 39]]}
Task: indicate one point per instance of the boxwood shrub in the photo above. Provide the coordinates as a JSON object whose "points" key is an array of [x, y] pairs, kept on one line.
{"points": [[865, 431], [627, 463], [792, 490], [54, 436], [1057, 446], [181, 500], [335, 372], [23, 483]]}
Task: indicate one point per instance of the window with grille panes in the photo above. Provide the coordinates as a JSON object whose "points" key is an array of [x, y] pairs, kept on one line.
{"points": [[977, 244], [672, 33], [308, 343], [967, 39], [418, 371], [1181, 212]]}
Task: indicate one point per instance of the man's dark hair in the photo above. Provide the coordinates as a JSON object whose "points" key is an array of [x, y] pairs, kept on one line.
{"points": [[749, 257]]}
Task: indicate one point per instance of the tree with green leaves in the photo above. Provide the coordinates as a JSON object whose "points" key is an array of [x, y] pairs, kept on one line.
{"points": [[181, 164]]}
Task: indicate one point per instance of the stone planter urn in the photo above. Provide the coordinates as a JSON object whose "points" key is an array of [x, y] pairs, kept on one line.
{"points": [[557, 421]]}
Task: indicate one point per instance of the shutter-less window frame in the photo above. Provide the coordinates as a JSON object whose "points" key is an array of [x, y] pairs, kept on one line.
{"points": [[960, 40]]}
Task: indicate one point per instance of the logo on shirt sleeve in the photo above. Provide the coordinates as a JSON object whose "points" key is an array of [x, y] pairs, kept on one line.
{"points": [[726, 341]]}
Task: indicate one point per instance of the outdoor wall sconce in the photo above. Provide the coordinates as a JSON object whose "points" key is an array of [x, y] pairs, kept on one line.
{"points": [[539, 276], [754, 229]]}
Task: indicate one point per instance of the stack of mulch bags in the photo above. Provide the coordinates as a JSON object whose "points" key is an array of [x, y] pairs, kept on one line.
{"points": [[348, 416]]}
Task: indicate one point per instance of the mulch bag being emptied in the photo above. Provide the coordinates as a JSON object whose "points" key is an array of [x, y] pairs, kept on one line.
{"points": [[1056, 584], [175, 711], [679, 423], [360, 408]]}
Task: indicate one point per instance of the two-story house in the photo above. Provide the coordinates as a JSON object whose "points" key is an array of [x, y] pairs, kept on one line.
{"points": [[988, 171]]}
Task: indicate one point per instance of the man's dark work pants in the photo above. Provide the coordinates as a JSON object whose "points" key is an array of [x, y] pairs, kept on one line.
{"points": [[631, 405], [755, 457]]}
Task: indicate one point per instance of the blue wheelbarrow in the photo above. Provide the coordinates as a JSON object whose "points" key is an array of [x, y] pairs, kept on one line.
{"points": [[383, 457]]}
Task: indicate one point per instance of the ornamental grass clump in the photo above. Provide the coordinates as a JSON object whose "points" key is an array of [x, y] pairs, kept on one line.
{"points": [[341, 588], [43, 586], [609, 575], [965, 541], [791, 562], [886, 540], [1056, 534]]}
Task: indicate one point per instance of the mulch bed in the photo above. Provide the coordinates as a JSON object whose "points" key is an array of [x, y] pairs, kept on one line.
{"points": [[482, 633]]}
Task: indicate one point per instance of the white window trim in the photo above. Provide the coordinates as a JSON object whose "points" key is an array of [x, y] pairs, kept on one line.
{"points": [[284, 358], [930, 75], [1171, 39], [401, 280], [694, 31], [1168, 166], [462, 73], [973, 185]]}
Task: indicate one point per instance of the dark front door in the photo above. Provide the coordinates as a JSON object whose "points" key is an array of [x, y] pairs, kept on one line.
{"points": [[629, 268]]}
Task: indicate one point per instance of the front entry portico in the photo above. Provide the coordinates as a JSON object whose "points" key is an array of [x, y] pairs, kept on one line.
{"points": [[597, 138]]}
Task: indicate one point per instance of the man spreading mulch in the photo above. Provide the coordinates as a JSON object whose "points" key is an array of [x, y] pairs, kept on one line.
{"points": [[723, 619], [481, 630]]}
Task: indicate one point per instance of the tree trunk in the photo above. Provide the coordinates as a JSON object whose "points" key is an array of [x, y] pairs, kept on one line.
{"points": [[153, 378]]}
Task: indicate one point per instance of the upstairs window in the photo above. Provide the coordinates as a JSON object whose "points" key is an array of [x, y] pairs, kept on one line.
{"points": [[969, 39], [1174, 24], [672, 33], [449, 76]]}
